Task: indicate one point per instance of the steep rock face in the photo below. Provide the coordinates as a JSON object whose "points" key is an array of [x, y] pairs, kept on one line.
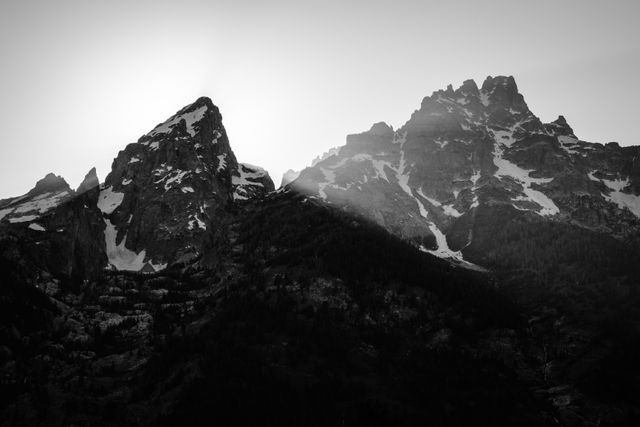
{"points": [[164, 192], [54, 230], [250, 182], [469, 150], [162, 202]]}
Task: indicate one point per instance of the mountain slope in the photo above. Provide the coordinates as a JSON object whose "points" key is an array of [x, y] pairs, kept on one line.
{"points": [[474, 149], [184, 290], [311, 316]]}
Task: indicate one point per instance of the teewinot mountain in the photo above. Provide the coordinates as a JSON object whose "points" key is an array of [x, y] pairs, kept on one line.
{"points": [[155, 207], [474, 267]]}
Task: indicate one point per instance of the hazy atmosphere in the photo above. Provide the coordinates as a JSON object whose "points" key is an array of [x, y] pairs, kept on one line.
{"points": [[80, 80]]}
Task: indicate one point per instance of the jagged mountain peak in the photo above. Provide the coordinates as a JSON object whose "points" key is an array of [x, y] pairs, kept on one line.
{"points": [[560, 127], [202, 101], [162, 202], [507, 82], [89, 182], [199, 116], [502, 92], [50, 183], [468, 87], [48, 193], [497, 105], [164, 193], [467, 153], [561, 121]]}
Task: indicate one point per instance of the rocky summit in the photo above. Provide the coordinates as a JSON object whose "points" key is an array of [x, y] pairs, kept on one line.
{"points": [[469, 161], [165, 190], [156, 204]]}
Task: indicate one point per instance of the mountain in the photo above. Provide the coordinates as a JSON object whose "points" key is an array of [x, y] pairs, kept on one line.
{"points": [[202, 279], [471, 160], [476, 178], [164, 190], [55, 230], [155, 206], [184, 289]]}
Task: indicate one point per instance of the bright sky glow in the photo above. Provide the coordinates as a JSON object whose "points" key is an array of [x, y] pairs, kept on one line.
{"points": [[81, 79]]}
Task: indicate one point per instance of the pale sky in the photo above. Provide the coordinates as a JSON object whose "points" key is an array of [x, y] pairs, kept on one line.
{"points": [[81, 79]]}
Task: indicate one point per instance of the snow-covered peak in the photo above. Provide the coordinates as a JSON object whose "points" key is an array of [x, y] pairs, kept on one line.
{"points": [[191, 116]]}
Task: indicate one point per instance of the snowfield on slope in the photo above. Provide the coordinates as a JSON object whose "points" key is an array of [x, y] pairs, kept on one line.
{"points": [[190, 118], [118, 255], [623, 200], [242, 183], [33, 208], [509, 169]]}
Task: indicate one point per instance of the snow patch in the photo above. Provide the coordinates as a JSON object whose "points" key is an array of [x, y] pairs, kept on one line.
{"points": [[617, 196], [196, 222], [41, 203], [25, 218], [191, 118], [442, 250], [474, 181], [447, 209], [242, 183], [5, 212], [504, 137], [119, 256], [403, 177], [484, 98], [568, 143], [617, 184], [379, 165], [36, 227], [173, 177], [592, 177], [222, 162], [520, 175], [440, 142], [216, 136], [109, 200]]}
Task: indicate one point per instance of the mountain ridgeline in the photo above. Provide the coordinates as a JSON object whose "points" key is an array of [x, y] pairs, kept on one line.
{"points": [[470, 161], [474, 267]]}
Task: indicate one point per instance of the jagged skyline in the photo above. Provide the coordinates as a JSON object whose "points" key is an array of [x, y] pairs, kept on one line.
{"points": [[291, 79]]}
